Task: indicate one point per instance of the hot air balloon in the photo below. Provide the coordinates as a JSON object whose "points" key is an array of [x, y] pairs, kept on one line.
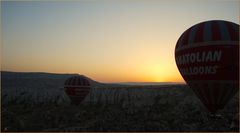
{"points": [[207, 56], [77, 88]]}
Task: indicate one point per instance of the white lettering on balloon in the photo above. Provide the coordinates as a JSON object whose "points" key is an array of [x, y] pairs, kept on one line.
{"points": [[191, 58], [199, 70], [210, 56]]}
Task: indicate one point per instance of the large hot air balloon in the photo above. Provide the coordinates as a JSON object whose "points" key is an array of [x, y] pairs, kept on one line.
{"points": [[77, 88], [207, 56]]}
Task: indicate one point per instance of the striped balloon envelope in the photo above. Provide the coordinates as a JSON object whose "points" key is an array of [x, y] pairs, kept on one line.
{"points": [[207, 56], [77, 88]]}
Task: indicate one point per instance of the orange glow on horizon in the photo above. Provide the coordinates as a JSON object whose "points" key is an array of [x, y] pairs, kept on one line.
{"points": [[116, 41]]}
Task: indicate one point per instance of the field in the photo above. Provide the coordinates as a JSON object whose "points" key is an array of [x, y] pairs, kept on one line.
{"points": [[40, 104]]}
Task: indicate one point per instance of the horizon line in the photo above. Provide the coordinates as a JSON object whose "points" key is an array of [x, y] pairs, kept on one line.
{"points": [[121, 82]]}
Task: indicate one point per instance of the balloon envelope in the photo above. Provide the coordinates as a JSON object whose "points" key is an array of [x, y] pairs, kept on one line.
{"points": [[207, 56], [77, 88]]}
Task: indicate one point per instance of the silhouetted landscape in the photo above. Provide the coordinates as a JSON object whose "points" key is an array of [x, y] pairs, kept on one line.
{"points": [[120, 66], [37, 102]]}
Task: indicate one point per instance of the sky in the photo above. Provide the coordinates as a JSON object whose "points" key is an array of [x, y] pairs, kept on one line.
{"points": [[108, 41]]}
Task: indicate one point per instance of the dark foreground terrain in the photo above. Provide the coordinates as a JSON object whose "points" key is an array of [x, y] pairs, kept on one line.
{"points": [[154, 108]]}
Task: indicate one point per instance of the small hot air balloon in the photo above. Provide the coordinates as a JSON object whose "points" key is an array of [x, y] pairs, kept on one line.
{"points": [[207, 56], [77, 88]]}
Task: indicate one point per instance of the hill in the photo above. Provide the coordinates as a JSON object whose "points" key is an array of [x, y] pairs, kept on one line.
{"points": [[37, 80]]}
